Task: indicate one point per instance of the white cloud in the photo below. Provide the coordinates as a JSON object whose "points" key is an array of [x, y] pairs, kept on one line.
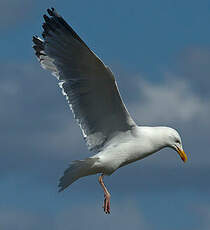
{"points": [[172, 100], [193, 63], [38, 122], [80, 217], [66, 140], [122, 217]]}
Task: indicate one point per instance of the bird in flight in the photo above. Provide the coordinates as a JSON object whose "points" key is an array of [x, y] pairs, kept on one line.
{"points": [[93, 96]]}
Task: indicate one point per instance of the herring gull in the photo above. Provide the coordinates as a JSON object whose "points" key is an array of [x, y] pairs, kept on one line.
{"points": [[93, 96]]}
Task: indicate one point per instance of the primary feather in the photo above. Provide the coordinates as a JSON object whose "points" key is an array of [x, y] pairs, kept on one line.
{"points": [[88, 84]]}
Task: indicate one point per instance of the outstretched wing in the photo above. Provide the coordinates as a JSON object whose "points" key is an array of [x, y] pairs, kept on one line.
{"points": [[88, 84]]}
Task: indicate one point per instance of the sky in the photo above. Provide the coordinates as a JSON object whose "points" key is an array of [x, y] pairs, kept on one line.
{"points": [[159, 52]]}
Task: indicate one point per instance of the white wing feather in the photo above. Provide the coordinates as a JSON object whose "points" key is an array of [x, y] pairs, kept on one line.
{"points": [[88, 84]]}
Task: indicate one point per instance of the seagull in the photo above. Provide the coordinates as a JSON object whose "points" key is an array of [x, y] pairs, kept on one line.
{"points": [[93, 96]]}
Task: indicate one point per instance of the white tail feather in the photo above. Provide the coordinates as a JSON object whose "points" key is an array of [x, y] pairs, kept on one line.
{"points": [[77, 169]]}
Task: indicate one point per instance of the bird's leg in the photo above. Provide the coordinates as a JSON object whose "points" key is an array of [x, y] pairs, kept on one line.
{"points": [[106, 195]]}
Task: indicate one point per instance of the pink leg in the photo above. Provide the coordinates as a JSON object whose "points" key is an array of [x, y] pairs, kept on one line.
{"points": [[106, 195]]}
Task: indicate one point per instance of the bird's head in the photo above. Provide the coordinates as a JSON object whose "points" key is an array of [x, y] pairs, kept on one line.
{"points": [[175, 142]]}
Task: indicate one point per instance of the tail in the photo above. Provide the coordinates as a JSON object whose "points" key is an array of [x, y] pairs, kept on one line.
{"points": [[77, 169]]}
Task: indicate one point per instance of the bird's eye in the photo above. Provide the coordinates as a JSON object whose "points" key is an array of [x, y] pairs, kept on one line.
{"points": [[178, 141]]}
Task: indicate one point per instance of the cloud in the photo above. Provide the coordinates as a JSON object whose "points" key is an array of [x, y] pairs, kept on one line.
{"points": [[193, 64], [38, 129], [77, 217], [39, 138], [172, 100], [122, 217], [36, 122]]}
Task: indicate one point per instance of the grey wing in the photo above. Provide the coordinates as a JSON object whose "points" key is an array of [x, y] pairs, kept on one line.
{"points": [[88, 84]]}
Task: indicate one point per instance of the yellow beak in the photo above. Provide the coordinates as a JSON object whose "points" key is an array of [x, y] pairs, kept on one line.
{"points": [[182, 154]]}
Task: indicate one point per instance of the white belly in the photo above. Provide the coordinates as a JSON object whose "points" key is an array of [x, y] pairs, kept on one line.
{"points": [[122, 151]]}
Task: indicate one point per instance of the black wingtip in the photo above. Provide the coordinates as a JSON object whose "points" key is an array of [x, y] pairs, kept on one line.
{"points": [[46, 18], [50, 12], [34, 37], [37, 41], [44, 26]]}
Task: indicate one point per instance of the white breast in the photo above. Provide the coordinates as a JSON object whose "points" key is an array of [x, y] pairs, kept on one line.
{"points": [[125, 148]]}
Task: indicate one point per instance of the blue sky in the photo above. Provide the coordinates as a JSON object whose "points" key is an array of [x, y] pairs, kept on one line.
{"points": [[160, 54]]}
